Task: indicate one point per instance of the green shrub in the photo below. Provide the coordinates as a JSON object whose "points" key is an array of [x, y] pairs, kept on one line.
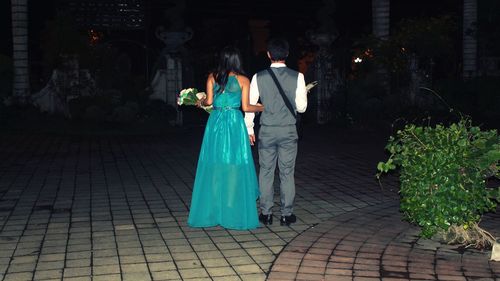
{"points": [[443, 172]]}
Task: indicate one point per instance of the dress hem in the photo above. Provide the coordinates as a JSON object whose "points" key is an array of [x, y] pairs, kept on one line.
{"points": [[224, 226]]}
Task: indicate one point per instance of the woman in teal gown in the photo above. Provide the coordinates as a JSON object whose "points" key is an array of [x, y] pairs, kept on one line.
{"points": [[226, 187]]}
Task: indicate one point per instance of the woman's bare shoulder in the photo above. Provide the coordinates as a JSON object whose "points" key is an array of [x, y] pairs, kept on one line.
{"points": [[243, 79], [211, 78]]}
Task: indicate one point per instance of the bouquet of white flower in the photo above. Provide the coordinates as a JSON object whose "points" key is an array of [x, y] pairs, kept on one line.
{"points": [[190, 96]]}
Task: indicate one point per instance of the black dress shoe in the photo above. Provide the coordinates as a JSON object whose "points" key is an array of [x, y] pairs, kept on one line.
{"points": [[266, 219], [287, 220]]}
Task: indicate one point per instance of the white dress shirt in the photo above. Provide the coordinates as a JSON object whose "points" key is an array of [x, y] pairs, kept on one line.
{"points": [[300, 97]]}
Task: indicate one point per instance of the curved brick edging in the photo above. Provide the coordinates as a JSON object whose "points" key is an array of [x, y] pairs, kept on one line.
{"points": [[373, 243]]}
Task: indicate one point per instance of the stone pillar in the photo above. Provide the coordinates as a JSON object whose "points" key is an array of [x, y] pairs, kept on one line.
{"points": [[19, 14], [323, 68], [469, 39], [167, 81], [174, 84]]}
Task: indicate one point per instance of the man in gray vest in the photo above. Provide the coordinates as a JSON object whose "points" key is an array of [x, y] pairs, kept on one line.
{"points": [[277, 139]]}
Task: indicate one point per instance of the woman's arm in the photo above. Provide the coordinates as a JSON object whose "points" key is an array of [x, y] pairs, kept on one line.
{"points": [[209, 91], [245, 96]]}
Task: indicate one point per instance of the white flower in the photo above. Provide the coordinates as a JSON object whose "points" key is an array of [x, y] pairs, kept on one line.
{"points": [[201, 95]]}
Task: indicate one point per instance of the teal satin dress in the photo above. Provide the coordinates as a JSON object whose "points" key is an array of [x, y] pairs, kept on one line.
{"points": [[225, 187]]}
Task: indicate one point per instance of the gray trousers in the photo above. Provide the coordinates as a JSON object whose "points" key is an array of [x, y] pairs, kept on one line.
{"points": [[277, 144]]}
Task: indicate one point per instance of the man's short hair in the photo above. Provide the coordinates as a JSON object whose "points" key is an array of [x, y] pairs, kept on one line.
{"points": [[278, 48]]}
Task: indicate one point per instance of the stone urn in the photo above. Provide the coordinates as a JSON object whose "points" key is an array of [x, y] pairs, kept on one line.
{"points": [[173, 40], [322, 39]]}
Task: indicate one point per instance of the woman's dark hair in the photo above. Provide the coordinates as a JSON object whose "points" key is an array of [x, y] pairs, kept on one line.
{"points": [[229, 61], [278, 48]]}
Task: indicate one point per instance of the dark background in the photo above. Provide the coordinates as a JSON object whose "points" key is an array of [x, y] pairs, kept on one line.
{"points": [[228, 20], [218, 23]]}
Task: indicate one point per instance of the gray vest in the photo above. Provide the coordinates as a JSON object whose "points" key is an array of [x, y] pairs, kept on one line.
{"points": [[275, 111]]}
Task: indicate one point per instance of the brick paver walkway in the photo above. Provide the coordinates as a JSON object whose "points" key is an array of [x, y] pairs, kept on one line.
{"points": [[373, 243], [115, 208]]}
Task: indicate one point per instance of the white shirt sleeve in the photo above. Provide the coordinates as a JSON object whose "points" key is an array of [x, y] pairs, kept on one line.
{"points": [[254, 97], [301, 94]]}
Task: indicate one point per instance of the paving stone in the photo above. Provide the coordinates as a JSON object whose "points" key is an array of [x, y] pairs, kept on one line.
{"points": [[134, 267], [214, 262], [83, 262], [136, 276], [212, 254], [193, 273], [220, 271], [267, 258], [77, 271], [166, 275], [51, 257], [50, 265], [106, 269], [158, 257], [48, 274], [184, 256], [246, 269], [187, 264], [123, 203], [253, 277], [108, 277], [21, 267], [132, 259], [106, 260], [25, 276]]}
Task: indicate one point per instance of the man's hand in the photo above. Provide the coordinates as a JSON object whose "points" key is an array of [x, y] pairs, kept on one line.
{"points": [[311, 85], [252, 139]]}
